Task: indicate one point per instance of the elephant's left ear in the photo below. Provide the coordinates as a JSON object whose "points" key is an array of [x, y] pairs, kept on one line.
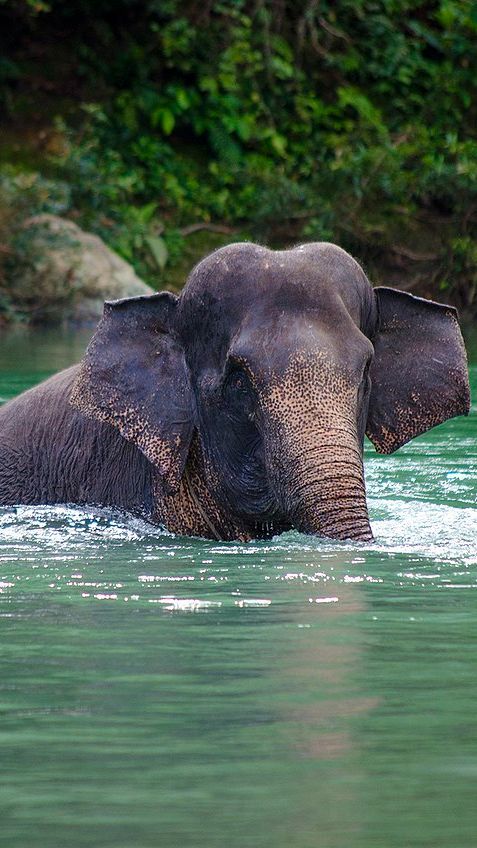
{"points": [[419, 374], [134, 376]]}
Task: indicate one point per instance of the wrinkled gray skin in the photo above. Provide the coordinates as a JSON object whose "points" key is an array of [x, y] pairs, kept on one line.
{"points": [[239, 409]]}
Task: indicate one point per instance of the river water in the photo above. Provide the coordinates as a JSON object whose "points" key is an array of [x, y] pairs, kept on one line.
{"points": [[158, 691]]}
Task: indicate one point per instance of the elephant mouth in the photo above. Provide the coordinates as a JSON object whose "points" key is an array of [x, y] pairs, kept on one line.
{"points": [[268, 528], [359, 531], [322, 502], [347, 523]]}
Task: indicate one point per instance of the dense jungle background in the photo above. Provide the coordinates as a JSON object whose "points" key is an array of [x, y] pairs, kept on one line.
{"points": [[168, 128]]}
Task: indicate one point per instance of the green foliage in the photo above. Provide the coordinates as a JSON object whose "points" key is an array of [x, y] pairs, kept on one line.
{"points": [[27, 193], [352, 120], [22, 195]]}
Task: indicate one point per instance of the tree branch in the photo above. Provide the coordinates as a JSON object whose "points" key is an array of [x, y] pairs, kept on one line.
{"points": [[203, 225]]}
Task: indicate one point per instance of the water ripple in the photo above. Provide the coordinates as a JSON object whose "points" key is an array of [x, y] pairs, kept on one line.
{"points": [[67, 534]]}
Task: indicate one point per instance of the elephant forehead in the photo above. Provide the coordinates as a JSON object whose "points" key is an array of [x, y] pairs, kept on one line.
{"points": [[232, 278], [240, 257], [308, 341]]}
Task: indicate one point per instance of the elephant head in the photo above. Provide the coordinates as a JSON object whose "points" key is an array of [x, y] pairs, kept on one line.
{"points": [[268, 370]]}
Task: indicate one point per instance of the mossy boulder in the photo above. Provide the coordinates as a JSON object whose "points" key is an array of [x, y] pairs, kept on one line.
{"points": [[57, 272]]}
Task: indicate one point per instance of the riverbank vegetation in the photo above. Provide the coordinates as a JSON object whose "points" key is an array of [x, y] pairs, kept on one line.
{"points": [[170, 127]]}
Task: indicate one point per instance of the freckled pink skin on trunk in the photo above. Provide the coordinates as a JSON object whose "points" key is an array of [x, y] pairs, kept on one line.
{"points": [[313, 448]]}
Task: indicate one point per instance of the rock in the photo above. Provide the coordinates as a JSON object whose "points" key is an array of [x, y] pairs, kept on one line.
{"points": [[60, 272]]}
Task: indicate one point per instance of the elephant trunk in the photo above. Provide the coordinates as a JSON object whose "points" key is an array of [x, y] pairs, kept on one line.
{"points": [[320, 482], [329, 499]]}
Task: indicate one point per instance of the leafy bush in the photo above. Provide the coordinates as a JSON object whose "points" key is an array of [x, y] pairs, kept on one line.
{"points": [[352, 120], [22, 194]]}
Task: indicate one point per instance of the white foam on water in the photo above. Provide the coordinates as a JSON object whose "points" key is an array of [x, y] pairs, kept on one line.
{"points": [[437, 531], [59, 527]]}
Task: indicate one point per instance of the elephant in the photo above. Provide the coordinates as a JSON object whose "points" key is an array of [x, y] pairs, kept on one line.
{"points": [[238, 409]]}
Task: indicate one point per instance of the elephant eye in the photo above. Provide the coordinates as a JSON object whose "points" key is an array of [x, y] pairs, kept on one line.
{"points": [[240, 402], [237, 381], [238, 389], [236, 377]]}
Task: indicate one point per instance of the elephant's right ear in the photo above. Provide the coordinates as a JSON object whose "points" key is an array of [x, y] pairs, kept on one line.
{"points": [[134, 376], [419, 374]]}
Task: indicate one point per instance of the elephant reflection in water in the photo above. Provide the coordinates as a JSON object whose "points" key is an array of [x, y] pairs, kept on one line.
{"points": [[328, 695], [238, 410]]}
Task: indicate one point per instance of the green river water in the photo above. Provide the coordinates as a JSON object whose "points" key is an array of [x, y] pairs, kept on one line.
{"points": [[158, 691]]}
